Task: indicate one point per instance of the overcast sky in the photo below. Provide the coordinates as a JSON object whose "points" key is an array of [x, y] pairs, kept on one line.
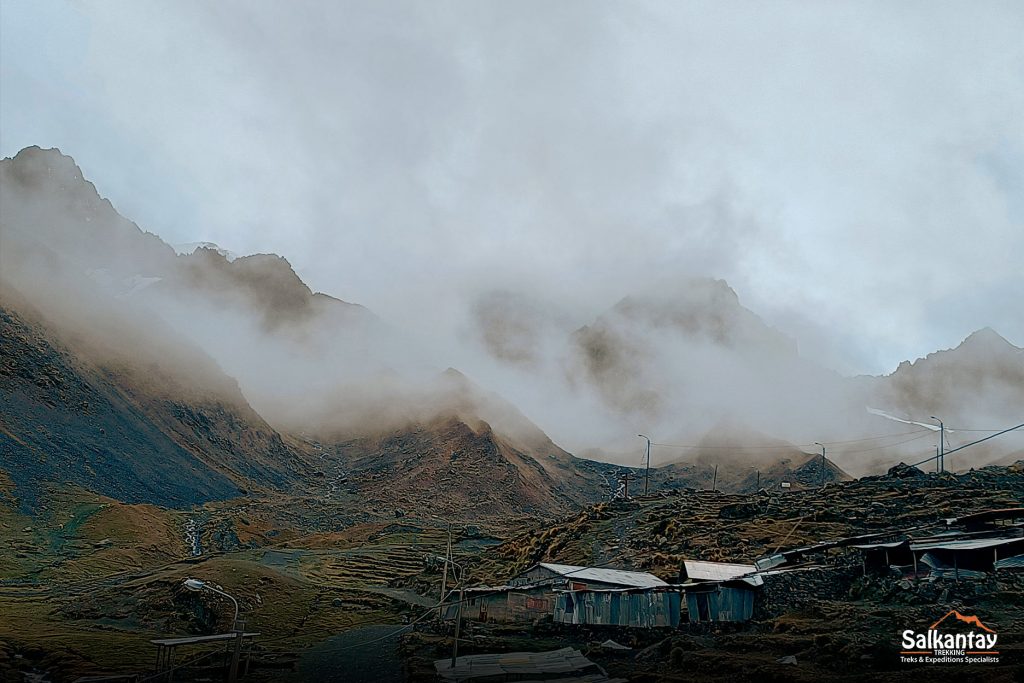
{"points": [[854, 170]]}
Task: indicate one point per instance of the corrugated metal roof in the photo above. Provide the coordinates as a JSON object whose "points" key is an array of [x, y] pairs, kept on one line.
{"points": [[974, 544], [770, 561], [499, 589], [988, 516], [1011, 563], [716, 571], [873, 546], [618, 577]]}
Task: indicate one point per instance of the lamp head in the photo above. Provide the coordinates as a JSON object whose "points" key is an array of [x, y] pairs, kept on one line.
{"points": [[194, 584]]}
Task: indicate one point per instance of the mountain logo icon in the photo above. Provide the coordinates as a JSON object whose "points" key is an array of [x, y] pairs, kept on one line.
{"points": [[971, 620]]}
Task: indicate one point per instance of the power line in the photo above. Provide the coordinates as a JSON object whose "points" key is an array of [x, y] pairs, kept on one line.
{"points": [[791, 446], [960, 448], [888, 445], [876, 438]]}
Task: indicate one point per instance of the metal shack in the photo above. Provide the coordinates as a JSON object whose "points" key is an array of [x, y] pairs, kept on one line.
{"points": [[505, 604], [531, 594], [731, 600], [719, 591], [637, 607], [963, 558]]}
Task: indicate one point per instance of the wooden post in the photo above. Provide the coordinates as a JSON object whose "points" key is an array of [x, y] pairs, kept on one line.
{"points": [[236, 653], [458, 624]]}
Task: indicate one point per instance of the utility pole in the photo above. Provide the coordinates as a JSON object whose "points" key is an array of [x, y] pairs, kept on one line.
{"points": [[458, 623], [757, 487], [647, 472], [444, 578], [942, 444], [822, 463], [714, 480]]}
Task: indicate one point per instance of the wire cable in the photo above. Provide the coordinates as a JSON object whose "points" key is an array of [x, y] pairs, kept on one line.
{"points": [[966, 445], [888, 445], [738, 447]]}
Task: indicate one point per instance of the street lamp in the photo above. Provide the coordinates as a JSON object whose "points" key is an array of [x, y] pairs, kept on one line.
{"points": [[942, 444], [197, 585], [647, 471], [816, 443]]}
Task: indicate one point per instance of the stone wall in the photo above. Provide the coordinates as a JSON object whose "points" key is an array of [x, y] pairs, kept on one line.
{"points": [[787, 591]]}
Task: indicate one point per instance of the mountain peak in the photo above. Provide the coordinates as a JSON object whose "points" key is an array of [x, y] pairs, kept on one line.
{"points": [[988, 337]]}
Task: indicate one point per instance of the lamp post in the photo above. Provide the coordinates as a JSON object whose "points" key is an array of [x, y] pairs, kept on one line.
{"points": [[822, 462], [942, 444], [197, 585], [647, 471]]}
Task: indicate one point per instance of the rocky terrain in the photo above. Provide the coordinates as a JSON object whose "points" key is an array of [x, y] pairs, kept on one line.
{"points": [[830, 623], [657, 532]]}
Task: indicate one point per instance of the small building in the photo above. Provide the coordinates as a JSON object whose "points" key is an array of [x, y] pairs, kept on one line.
{"points": [[957, 556], [963, 558], [990, 519], [731, 600], [503, 604], [719, 591], [635, 607], [882, 557], [531, 594]]}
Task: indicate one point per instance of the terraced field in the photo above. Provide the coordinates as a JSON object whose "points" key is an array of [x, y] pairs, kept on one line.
{"points": [[94, 581]]}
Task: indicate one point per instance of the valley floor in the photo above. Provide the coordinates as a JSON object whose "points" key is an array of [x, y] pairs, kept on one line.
{"points": [[87, 583]]}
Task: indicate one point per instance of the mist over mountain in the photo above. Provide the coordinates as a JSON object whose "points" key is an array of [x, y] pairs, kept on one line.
{"points": [[245, 356]]}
